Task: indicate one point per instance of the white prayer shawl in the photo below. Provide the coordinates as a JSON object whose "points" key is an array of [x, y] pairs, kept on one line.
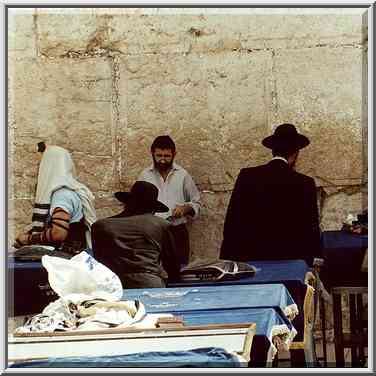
{"points": [[56, 171]]}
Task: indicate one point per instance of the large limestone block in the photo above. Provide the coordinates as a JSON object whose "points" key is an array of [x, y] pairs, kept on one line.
{"points": [[19, 217], [68, 102], [22, 34], [214, 107], [99, 173], [206, 232], [20, 208], [23, 168], [106, 205], [148, 33], [300, 28], [69, 30], [338, 206], [320, 90], [174, 30]]}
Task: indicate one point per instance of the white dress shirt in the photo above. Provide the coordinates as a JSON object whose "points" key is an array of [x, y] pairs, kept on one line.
{"points": [[281, 158], [178, 189]]}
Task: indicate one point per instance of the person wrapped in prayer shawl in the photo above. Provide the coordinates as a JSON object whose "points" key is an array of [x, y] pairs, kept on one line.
{"points": [[64, 208]]}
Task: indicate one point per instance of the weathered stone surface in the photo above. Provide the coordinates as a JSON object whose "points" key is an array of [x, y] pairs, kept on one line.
{"points": [[291, 31], [23, 169], [22, 33], [67, 100], [336, 208], [159, 30], [106, 205], [208, 109], [320, 90], [364, 117], [19, 217], [206, 232], [67, 30], [104, 82], [71, 106], [97, 172]]}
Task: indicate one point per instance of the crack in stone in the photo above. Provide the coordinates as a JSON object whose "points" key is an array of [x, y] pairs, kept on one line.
{"points": [[94, 52], [317, 45], [35, 32], [115, 100], [274, 91]]}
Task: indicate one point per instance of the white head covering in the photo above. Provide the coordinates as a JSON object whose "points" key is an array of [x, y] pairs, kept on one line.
{"points": [[56, 170]]}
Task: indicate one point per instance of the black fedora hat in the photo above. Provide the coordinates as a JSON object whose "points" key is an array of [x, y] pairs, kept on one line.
{"points": [[286, 137], [142, 195]]}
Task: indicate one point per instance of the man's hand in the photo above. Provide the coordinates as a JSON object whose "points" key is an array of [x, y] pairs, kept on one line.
{"points": [[21, 240], [310, 278], [180, 211]]}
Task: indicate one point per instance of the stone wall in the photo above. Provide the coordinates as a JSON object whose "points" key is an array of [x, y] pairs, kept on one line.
{"points": [[103, 83]]}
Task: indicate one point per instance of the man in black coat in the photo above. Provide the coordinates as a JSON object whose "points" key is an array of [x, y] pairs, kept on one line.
{"points": [[135, 244], [272, 213]]}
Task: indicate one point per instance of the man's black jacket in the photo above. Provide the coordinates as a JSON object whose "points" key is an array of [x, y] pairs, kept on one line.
{"points": [[272, 215]]}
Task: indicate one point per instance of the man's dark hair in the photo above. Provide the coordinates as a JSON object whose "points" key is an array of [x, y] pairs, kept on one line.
{"points": [[163, 142], [41, 146]]}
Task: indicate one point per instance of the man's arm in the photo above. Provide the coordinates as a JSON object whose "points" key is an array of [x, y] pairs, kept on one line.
{"points": [[233, 221], [192, 204], [192, 197], [54, 234]]}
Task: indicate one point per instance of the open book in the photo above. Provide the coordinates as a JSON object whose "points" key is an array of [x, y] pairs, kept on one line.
{"points": [[221, 270]]}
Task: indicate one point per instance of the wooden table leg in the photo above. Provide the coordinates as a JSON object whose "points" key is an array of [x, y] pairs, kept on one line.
{"points": [[338, 334], [323, 327]]}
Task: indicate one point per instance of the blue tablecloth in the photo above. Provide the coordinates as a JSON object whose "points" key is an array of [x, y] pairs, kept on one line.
{"points": [[204, 358], [261, 304], [290, 273], [30, 292], [344, 253], [172, 299]]}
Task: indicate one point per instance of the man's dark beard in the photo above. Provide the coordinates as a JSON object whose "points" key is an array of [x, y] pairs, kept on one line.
{"points": [[162, 166]]}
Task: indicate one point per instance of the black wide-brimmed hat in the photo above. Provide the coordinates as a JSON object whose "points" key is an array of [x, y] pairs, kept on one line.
{"points": [[286, 137], [142, 195]]}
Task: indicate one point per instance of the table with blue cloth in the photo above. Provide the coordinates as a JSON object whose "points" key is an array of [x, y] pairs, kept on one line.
{"points": [[343, 253], [202, 358], [30, 298], [291, 273], [264, 305], [265, 318]]}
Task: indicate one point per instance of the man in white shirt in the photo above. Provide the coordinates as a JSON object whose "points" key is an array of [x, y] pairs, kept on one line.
{"points": [[177, 190]]}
